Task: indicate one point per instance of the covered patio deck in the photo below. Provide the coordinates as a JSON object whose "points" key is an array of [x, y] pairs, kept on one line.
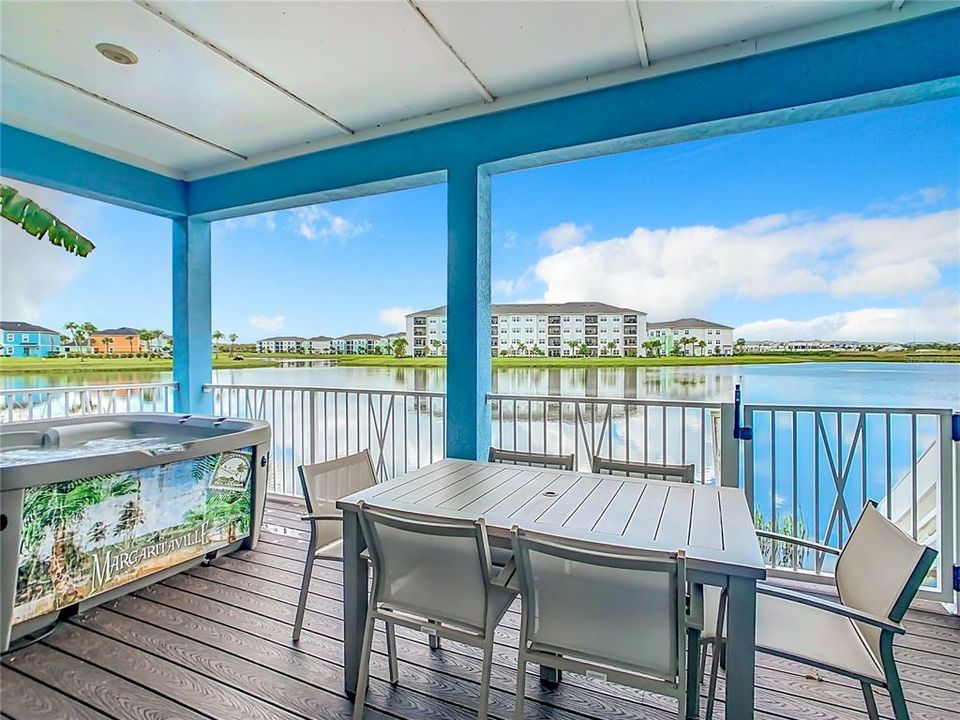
{"points": [[214, 642]]}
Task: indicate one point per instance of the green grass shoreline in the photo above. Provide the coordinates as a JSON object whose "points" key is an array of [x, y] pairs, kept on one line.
{"points": [[17, 366]]}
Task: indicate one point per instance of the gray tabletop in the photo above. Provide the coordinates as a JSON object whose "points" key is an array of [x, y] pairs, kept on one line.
{"points": [[714, 525]]}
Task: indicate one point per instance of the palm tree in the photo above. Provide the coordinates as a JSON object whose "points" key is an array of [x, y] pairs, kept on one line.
{"points": [[88, 329], [436, 346], [611, 346], [129, 339], [521, 348], [400, 347], [739, 346], [130, 516], [145, 337], [59, 506], [702, 344], [107, 342], [25, 213], [217, 339], [233, 343], [98, 533]]}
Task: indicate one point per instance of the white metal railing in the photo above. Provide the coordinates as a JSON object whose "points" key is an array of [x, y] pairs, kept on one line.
{"points": [[808, 470], [19, 404], [403, 430], [656, 431]]}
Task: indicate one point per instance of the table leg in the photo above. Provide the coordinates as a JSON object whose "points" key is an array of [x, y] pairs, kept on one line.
{"points": [[693, 673], [355, 576], [741, 647]]}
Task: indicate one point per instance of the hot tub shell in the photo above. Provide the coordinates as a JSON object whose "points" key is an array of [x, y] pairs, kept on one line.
{"points": [[80, 531]]}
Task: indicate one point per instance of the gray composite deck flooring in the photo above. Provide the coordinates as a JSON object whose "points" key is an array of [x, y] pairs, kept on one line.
{"points": [[214, 642]]}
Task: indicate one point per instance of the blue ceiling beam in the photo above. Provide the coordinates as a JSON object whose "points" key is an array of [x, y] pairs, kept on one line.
{"points": [[39, 160], [918, 52]]}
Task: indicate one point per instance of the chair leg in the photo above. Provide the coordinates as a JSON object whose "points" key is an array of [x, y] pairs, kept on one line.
{"points": [[895, 688], [392, 653], [704, 644], [521, 680], [485, 677], [304, 589], [364, 667], [870, 701], [719, 647]]}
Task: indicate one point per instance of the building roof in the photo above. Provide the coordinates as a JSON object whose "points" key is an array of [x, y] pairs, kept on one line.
{"points": [[687, 324], [25, 327], [361, 336], [282, 338], [321, 337], [116, 332], [571, 308]]}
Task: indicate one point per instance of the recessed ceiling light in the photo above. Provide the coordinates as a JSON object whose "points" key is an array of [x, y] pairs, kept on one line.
{"points": [[117, 54]]}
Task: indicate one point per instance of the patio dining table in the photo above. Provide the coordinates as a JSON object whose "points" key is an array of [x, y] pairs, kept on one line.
{"points": [[714, 525]]}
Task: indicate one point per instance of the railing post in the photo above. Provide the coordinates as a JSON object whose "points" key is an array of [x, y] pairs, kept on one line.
{"points": [[955, 570], [468, 307], [729, 447], [192, 344]]}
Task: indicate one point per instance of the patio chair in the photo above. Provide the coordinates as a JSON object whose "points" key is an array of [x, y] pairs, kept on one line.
{"points": [[435, 576], [661, 471], [514, 457], [608, 612], [878, 574], [323, 484]]}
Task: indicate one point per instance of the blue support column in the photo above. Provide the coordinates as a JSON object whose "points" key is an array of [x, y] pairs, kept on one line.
{"points": [[468, 312], [192, 344]]}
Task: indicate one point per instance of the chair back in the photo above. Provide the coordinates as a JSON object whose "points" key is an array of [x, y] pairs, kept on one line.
{"points": [[329, 481], [880, 571], [428, 567], [606, 604], [514, 457], [656, 471]]}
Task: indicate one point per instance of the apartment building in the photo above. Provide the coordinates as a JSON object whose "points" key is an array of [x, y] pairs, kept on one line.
{"points": [[541, 329], [281, 344], [319, 345], [691, 336]]}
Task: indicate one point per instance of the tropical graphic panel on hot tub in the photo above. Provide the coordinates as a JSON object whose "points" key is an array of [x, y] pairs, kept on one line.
{"points": [[82, 537]]}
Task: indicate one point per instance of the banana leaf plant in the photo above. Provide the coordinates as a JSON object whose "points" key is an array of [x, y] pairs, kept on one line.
{"points": [[24, 212]]}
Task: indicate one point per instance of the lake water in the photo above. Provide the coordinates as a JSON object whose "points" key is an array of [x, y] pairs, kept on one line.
{"points": [[927, 385]]}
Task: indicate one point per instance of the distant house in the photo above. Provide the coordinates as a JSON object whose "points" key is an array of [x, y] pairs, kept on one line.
{"points": [[686, 334], [116, 341], [22, 339], [281, 344]]}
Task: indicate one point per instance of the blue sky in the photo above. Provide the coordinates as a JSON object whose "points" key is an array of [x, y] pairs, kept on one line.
{"points": [[846, 227]]}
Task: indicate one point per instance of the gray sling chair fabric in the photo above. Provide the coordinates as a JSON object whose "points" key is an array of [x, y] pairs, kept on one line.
{"points": [[878, 574], [323, 484], [654, 471], [433, 575], [514, 457], [609, 612]]}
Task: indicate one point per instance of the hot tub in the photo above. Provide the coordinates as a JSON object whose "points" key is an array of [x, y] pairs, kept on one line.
{"points": [[95, 507]]}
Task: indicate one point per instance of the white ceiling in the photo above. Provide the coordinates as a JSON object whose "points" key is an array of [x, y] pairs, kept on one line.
{"points": [[311, 74]]}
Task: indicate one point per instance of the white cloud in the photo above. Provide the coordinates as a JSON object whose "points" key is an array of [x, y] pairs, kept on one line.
{"points": [[395, 317], [503, 287], [564, 235], [680, 271], [266, 323], [937, 318], [266, 221], [315, 222], [510, 239], [33, 271]]}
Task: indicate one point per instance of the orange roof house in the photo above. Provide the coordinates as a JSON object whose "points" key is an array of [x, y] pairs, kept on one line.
{"points": [[122, 341]]}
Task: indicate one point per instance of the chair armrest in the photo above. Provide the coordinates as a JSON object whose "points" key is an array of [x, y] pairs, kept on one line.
{"points": [[797, 541], [305, 518], [830, 606]]}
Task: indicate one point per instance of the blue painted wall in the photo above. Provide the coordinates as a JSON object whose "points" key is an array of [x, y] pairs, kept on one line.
{"points": [[192, 328]]}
